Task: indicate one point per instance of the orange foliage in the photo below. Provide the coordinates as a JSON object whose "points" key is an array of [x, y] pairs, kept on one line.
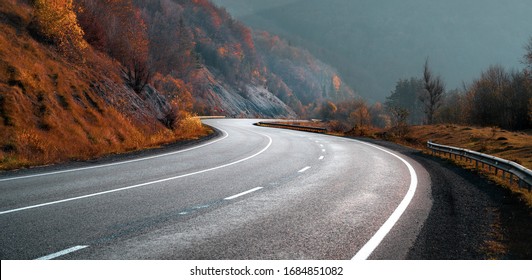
{"points": [[53, 110], [57, 21], [175, 91], [222, 51], [248, 38], [337, 83], [212, 12], [237, 51]]}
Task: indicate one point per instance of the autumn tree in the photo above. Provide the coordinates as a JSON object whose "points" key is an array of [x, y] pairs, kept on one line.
{"points": [[360, 116], [399, 118], [336, 83], [129, 43], [91, 18], [171, 40], [179, 97], [223, 43], [327, 110], [120, 31], [453, 109], [379, 117], [399, 115], [136, 56], [56, 22], [432, 95]]}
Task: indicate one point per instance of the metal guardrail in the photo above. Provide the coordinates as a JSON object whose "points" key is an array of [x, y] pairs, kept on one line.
{"points": [[294, 127], [523, 175]]}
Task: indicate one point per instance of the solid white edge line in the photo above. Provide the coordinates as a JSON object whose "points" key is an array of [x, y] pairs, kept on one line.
{"points": [[115, 163], [243, 193], [63, 252], [373, 243], [143, 184], [304, 169]]}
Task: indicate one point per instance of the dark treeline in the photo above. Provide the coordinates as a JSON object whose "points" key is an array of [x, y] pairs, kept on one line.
{"points": [[498, 97]]}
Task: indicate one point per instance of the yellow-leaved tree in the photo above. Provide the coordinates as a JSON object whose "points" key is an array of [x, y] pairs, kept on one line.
{"points": [[56, 21]]}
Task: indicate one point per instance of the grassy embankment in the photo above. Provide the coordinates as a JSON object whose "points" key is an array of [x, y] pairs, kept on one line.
{"points": [[510, 145]]}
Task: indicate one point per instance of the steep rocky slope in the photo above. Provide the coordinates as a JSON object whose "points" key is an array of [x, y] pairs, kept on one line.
{"points": [[53, 108]]}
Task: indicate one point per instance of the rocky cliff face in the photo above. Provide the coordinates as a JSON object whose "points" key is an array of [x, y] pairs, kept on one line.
{"points": [[249, 101]]}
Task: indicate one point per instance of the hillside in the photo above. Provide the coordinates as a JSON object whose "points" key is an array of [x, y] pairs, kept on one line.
{"points": [[81, 79], [373, 44], [55, 108]]}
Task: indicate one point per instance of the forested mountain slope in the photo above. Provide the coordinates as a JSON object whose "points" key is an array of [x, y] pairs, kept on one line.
{"points": [[227, 71], [373, 44]]}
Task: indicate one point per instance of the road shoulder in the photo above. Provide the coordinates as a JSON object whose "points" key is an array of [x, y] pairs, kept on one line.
{"points": [[471, 218]]}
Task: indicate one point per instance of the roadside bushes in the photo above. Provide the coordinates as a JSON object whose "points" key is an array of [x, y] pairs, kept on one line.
{"points": [[499, 98]]}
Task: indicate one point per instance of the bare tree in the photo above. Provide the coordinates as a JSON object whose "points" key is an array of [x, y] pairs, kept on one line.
{"points": [[527, 57], [399, 116], [433, 93]]}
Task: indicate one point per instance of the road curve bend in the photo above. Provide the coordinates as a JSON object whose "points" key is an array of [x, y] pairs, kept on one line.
{"points": [[251, 193]]}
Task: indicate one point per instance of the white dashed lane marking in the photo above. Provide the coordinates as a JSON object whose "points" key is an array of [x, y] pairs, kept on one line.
{"points": [[243, 193], [304, 169], [63, 252]]}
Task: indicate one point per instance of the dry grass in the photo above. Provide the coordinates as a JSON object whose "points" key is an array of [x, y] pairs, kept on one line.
{"points": [[50, 111], [514, 146]]}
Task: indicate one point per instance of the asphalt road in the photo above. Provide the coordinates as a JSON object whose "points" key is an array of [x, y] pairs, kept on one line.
{"points": [[250, 193]]}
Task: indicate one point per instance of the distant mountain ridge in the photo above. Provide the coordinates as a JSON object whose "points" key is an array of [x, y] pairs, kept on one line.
{"points": [[375, 43]]}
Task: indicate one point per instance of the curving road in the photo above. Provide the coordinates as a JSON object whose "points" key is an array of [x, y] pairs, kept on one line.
{"points": [[251, 193]]}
